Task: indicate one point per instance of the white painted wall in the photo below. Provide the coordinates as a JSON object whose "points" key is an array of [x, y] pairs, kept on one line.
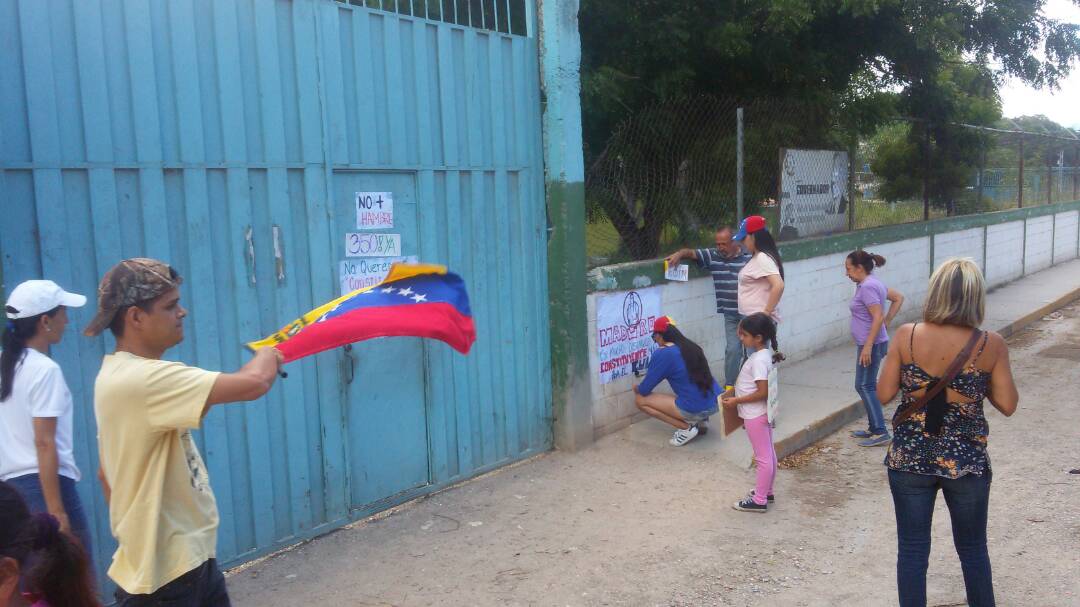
{"points": [[1065, 235], [965, 243], [814, 309], [1039, 244], [1004, 252]]}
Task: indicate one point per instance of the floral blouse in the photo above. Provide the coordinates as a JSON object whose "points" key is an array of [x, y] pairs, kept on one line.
{"points": [[960, 447]]}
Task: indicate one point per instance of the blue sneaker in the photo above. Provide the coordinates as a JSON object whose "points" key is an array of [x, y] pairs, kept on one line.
{"points": [[861, 434], [874, 441], [748, 504]]}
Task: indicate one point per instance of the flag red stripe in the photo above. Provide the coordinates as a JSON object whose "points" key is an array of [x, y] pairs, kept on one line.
{"points": [[440, 321]]}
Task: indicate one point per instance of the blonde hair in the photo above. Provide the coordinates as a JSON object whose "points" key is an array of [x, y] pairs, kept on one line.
{"points": [[957, 294]]}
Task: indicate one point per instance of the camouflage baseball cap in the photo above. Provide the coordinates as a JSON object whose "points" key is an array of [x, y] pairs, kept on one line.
{"points": [[130, 282]]}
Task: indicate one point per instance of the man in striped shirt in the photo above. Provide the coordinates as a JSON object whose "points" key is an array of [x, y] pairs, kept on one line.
{"points": [[724, 262]]}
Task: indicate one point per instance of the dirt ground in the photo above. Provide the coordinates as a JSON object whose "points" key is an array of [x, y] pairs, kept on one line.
{"points": [[625, 524]]}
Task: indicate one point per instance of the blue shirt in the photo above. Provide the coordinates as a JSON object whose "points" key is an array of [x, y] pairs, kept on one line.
{"points": [[725, 277], [667, 363]]}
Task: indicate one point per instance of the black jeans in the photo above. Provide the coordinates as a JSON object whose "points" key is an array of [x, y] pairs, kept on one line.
{"points": [[967, 498], [203, 586]]}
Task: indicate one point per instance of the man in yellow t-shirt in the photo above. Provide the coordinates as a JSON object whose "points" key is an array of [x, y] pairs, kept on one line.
{"points": [[161, 508]]}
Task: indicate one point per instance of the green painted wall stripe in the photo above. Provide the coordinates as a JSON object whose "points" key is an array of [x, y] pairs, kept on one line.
{"points": [[637, 274]]}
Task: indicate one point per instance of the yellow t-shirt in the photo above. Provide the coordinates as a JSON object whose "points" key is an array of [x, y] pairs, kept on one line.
{"points": [[162, 511]]}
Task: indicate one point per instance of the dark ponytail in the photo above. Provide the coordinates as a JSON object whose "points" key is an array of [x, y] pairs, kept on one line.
{"points": [[760, 324], [866, 261], [765, 243], [59, 568], [694, 357], [16, 333]]}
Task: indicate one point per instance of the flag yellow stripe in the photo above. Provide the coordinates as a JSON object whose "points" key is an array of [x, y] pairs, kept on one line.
{"points": [[398, 271]]}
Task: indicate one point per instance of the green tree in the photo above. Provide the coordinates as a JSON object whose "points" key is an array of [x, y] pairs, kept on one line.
{"points": [[939, 153]]}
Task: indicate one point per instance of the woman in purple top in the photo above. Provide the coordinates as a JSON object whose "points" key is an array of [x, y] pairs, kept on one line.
{"points": [[869, 323]]}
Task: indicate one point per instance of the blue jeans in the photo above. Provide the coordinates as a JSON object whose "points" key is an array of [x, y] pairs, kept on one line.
{"points": [[29, 486], [967, 498], [734, 354], [866, 386]]}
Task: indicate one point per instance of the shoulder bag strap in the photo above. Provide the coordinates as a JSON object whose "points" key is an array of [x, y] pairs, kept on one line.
{"points": [[950, 374]]}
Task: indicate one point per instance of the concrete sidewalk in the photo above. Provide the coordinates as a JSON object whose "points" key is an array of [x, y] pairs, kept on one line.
{"points": [[818, 395]]}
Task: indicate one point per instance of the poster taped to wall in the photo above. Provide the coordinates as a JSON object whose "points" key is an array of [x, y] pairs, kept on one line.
{"points": [[624, 322], [813, 192]]}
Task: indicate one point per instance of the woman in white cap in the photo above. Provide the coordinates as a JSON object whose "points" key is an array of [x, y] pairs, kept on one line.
{"points": [[36, 408]]}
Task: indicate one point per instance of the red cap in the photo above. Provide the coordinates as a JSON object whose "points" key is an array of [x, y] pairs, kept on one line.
{"points": [[662, 323], [753, 223]]}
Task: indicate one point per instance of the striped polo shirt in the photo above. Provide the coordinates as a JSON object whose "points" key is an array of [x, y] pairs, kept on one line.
{"points": [[725, 277]]}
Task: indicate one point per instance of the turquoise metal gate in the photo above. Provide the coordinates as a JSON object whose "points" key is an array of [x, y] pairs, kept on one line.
{"points": [[230, 138]]}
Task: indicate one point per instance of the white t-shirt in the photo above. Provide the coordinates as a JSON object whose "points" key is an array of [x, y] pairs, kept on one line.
{"points": [[755, 368], [38, 390], [754, 285]]}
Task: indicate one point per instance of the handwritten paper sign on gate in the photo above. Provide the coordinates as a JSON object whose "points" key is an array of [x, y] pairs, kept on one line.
{"points": [[624, 324], [360, 273], [361, 244], [374, 210]]}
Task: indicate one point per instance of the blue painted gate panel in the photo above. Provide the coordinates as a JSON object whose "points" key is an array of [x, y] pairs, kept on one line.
{"points": [[226, 138]]}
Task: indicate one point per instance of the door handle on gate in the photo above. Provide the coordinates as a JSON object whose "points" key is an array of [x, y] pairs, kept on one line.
{"points": [[348, 364]]}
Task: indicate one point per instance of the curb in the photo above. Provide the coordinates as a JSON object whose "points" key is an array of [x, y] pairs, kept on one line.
{"points": [[1014, 327], [840, 418], [818, 430]]}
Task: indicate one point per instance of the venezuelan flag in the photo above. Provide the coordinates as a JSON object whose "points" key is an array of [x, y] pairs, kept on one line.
{"points": [[414, 300]]}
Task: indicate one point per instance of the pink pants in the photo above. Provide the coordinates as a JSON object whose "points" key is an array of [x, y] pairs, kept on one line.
{"points": [[760, 434]]}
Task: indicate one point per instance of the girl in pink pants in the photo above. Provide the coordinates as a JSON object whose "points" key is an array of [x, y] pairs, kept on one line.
{"points": [[757, 332]]}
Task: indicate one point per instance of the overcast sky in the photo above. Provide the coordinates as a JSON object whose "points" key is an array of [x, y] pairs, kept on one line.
{"points": [[1063, 106]]}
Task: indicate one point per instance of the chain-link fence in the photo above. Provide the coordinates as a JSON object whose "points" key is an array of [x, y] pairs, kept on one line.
{"points": [[673, 172], [966, 170]]}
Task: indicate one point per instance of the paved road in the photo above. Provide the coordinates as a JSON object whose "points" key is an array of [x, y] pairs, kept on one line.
{"points": [[626, 523]]}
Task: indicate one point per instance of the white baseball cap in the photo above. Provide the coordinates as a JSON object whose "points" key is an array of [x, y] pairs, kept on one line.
{"points": [[35, 297]]}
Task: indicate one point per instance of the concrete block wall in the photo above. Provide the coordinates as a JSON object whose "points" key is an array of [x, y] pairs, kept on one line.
{"points": [[1004, 252], [906, 270], [814, 309], [964, 243], [1066, 226], [1039, 244]]}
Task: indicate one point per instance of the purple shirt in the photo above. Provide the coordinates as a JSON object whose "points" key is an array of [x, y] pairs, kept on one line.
{"points": [[869, 292]]}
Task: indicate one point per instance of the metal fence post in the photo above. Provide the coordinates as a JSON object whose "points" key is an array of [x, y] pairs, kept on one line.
{"points": [[926, 172], [739, 165], [979, 185], [1075, 170], [1049, 180], [1020, 179], [852, 151]]}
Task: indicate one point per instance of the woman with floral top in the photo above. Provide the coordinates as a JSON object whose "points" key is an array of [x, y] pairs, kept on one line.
{"points": [[943, 446]]}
